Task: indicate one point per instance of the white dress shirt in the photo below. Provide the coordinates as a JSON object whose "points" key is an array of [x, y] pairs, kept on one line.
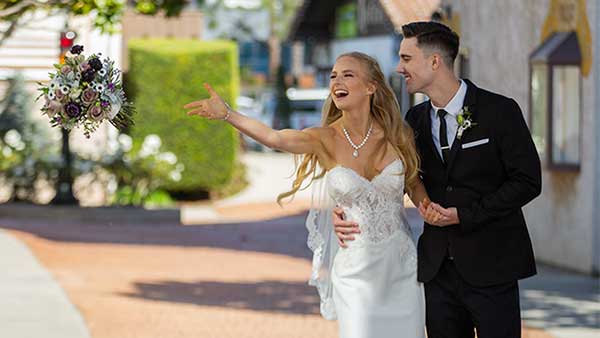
{"points": [[453, 108]]}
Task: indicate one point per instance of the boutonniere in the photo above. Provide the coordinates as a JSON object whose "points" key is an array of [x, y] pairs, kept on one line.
{"points": [[464, 121]]}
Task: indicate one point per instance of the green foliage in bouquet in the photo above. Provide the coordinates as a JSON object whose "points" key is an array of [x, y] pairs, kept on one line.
{"points": [[166, 74]]}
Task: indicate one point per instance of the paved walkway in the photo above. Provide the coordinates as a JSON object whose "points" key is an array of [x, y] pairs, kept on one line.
{"points": [[564, 304], [32, 304]]}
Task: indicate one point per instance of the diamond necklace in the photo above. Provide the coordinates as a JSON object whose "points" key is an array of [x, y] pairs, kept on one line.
{"points": [[356, 147]]}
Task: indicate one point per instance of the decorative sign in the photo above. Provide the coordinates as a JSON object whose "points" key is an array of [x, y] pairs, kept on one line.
{"points": [[571, 16]]}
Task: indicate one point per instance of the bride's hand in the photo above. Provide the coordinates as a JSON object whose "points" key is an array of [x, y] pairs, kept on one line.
{"points": [[430, 214], [213, 108]]}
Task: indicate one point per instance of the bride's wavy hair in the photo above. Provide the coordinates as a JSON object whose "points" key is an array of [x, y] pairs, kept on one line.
{"points": [[385, 110]]}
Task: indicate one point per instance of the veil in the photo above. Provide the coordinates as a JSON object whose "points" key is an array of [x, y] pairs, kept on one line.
{"points": [[323, 243]]}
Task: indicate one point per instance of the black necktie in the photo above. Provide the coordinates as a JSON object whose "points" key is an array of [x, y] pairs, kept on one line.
{"points": [[444, 135]]}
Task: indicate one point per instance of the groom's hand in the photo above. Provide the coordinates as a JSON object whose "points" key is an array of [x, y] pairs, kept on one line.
{"points": [[343, 229], [449, 215]]}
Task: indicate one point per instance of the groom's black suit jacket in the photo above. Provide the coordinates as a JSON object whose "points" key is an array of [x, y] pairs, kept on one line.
{"points": [[489, 183]]}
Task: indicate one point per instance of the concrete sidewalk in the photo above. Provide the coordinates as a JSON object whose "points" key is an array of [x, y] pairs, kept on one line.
{"points": [[562, 303], [32, 304]]}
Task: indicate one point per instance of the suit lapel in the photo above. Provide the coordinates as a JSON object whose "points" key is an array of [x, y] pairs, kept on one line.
{"points": [[470, 99]]}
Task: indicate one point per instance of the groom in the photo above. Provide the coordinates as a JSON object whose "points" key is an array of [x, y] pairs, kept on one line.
{"points": [[480, 164]]}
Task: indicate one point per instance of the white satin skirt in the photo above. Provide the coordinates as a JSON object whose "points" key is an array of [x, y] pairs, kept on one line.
{"points": [[376, 292]]}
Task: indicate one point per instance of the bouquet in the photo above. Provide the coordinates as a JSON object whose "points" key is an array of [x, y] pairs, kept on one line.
{"points": [[84, 92]]}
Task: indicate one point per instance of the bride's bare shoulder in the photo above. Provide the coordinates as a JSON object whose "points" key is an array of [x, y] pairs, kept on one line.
{"points": [[325, 134]]}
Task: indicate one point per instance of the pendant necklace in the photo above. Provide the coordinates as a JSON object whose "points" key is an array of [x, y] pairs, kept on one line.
{"points": [[356, 147]]}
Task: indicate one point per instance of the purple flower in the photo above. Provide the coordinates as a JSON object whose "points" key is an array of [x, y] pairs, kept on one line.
{"points": [[111, 86], [77, 49], [88, 75], [73, 109], [104, 104], [95, 63]]}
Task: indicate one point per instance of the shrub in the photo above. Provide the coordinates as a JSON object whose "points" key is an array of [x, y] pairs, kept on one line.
{"points": [[166, 74]]}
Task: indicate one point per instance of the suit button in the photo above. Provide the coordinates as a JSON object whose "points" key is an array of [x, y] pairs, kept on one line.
{"points": [[449, 188]]}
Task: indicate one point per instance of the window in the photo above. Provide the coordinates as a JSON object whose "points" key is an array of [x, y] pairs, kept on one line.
{"points": [[555, 101]]}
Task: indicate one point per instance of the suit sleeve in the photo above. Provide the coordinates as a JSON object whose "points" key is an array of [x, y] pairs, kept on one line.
{"points": [[521, 164]]}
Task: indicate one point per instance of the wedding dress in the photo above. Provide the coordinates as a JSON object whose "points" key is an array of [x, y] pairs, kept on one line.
{"points": [[371, 286]]}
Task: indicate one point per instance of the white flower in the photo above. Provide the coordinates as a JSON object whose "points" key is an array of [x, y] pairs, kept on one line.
{"points": [[112, 146], [51, 95], [150, 146], [112, 186], [168, 157], [13, 139], [64, 89], [125, 142], [6, 151], [75, 93], [102, 72], [99, 87], [175, 176]]}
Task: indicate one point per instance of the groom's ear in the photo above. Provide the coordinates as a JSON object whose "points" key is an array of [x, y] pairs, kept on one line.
{"points": [[436, 61]]}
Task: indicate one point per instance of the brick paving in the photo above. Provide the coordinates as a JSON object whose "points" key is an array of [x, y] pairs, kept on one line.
{"points": [[228, 280]]}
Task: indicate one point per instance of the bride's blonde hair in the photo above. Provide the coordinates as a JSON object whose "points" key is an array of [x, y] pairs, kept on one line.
{"points": [[385, 110]]}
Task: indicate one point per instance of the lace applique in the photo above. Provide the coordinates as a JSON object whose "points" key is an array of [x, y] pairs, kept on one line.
{"points": [[376, 205]]}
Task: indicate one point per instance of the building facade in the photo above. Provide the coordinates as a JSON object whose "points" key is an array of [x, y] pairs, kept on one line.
{"points": [[506, 43]]}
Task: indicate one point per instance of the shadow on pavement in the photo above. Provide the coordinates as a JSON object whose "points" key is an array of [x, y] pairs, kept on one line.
{"points": [[286, 235], [269, 296], [556, 299]]}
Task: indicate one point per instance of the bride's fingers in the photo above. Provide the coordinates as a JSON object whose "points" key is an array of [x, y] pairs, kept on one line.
{"points": [[441, 209], [194, 104], [210, 90], [200, 112]]}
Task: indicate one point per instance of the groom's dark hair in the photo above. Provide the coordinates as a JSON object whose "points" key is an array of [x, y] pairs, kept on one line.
{"points": [[434, 35]]}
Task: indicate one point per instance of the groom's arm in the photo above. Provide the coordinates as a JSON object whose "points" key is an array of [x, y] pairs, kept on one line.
{"points": [[522, 165]]}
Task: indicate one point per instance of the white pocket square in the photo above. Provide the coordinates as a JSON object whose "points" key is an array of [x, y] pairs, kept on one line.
{"points": [[475, 143]]}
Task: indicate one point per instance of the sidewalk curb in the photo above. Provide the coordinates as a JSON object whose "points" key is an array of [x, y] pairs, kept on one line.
{"points": [[34, 304]]}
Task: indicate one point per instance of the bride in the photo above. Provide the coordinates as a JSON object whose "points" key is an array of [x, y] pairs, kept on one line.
{"points": [[362, 159]]}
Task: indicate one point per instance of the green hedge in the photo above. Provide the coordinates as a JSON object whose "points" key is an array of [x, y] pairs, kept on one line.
{"points": [[166, 74]]}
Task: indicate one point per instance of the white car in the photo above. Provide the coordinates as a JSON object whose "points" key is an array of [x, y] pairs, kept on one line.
{"points": [[306, 106]]}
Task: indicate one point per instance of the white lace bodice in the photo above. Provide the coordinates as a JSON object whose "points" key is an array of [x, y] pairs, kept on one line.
{"points": [[384, 248], [376, 205]]}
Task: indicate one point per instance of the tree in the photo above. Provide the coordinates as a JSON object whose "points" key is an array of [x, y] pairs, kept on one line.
{"points": [[280, 12], [107, 13], [14, 107], [283, 108]]}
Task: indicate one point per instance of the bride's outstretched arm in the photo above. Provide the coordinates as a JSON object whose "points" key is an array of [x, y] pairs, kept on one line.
{"points": [[288, 140]]}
